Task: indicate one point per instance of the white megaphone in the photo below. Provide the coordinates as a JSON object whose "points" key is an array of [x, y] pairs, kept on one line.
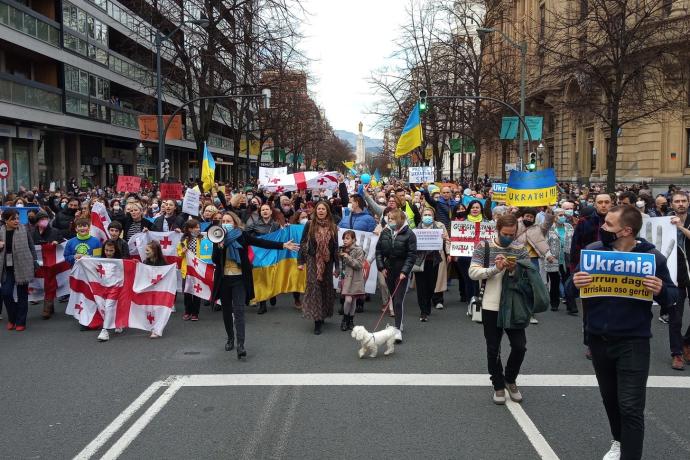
{"points": [[215, 234]]}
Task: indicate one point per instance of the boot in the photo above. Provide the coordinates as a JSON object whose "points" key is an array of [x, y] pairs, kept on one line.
{"points": [[230, 344], [351, 322], [48, 310], [318, 325], [262, 308], [344, 323], [241, 352]]}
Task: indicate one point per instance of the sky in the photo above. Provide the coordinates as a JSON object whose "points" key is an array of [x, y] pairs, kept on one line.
{"points": [[347, 40]]}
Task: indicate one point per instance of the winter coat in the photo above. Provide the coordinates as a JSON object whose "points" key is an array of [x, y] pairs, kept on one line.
{"points": [[522, 295], [555, 246], [174, 222], [63, 223], [396, 252], [48, 236], [353, 271], [23, 255], [358, 221], [535, 236], [260, 227], [586, 232]]}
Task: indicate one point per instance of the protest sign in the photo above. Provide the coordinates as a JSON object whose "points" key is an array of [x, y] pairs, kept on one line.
{"points": [[266, 174], [499, 192], [617, 274], [128, 184], [171, 191], [429, 239], [419, 174], [532, 188], [664, 235], [367, 241], [190, 205], [465, 235]]}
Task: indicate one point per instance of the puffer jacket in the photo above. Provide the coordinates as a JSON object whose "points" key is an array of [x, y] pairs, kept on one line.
{"points": [[396, 252]]}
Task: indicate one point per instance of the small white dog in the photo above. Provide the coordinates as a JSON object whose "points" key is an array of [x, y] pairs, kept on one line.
{"points": [[369, 342]]}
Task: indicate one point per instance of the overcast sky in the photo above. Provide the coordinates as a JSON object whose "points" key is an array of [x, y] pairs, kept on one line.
{"points": [[347, 40]]}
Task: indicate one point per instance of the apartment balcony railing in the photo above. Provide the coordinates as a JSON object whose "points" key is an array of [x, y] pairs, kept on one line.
{"points": [[30, 93], [29, 22]]}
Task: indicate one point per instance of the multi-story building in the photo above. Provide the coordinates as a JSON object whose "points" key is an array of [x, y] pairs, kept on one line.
{"points": [[74, 76], [655, 149]]}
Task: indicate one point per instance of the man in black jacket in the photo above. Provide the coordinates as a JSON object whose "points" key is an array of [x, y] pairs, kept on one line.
{"points": [[680, 344], [619, 333], [65, 217]]}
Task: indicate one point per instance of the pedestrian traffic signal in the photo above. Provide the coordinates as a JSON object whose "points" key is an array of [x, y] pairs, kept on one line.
{"points": [[532, 165], [422, 101], [165, 168]]}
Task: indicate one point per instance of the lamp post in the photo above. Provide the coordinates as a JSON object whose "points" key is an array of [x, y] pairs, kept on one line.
{"points": [[160, 39], [522, 46]]}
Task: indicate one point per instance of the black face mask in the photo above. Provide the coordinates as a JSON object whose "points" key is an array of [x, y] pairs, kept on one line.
{"points": [[607, 237], [528, 223], [461, 215]]}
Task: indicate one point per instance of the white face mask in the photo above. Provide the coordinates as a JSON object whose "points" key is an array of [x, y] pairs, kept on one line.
{"points": [[349, 206], [639, 204], [303, 221]]}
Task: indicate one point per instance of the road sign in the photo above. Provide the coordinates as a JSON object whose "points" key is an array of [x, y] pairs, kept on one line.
{"points": [[511, 167], [4, 169]]}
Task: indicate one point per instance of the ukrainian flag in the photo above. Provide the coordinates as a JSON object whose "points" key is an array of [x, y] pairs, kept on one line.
{"points": [[208, 170], [411, 136], [275, 271], [532, 188]]}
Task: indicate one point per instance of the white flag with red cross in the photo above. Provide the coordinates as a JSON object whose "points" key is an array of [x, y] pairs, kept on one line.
{"points": [[167, 240], [199, 281], [308, 180], [52, 277], [99, 222], [122, 293]]}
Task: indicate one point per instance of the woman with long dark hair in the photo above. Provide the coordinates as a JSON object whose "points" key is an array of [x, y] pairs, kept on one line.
{"points": [[319, 251]]}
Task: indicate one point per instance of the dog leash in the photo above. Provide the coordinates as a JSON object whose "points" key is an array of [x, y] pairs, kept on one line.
{"points": [[390, 300]]}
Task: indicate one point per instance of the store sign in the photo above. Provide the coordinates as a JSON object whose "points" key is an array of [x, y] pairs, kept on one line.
{"points": [[29, 133]]}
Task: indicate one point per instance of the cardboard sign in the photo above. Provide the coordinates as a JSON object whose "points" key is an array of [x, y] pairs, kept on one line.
{"points": [[171, 191], [128, 184], [664, 235], [190, 204], [419, 174], [148, 127], [367, 241], [429, 239], [499, 192], [465, 235], [617, 274]]}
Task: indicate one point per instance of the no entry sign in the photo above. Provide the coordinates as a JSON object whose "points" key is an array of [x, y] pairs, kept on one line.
{"points": [[4, 169]]}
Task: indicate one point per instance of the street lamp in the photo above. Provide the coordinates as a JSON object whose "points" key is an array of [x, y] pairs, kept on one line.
{"points": [[522, 46], [202, 22]]}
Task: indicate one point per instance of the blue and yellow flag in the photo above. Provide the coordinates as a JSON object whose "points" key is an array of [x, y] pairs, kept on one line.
{"points": [[275, 271], [532, 188], [208, 170], [411, 136]]}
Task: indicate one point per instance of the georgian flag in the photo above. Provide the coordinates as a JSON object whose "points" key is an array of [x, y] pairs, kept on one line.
{"points": [[310, 180], [167, 240], [99, 222], [199, 281], [52, 277], [122, 293]]}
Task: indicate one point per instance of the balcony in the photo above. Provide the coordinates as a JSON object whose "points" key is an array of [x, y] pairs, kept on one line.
{"points": [[99, 110], [30, 94], [27, 21]]}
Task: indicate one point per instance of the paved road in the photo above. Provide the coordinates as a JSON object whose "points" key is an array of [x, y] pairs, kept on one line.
{"points": [[61, 389]]}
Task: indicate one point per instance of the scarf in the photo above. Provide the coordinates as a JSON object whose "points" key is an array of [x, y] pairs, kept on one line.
{"points": [[323, 238], [233, 246], [477, 218]]}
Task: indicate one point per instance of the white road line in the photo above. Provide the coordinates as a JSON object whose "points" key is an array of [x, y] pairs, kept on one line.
{"points": [[133, 431], [257, 434], [368, 379], [99, 441], [530, 429], [280, 448]]}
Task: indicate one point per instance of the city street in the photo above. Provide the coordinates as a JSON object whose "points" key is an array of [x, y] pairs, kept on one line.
{"points": [[306, 396]]}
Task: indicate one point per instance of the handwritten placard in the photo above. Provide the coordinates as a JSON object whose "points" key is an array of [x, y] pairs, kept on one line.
{"points": [[128, 184], [190, 205], [465, 235], [429, 239], [171, 191]]}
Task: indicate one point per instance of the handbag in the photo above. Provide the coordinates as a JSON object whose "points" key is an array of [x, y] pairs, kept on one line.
{"points": [[418, 265], [474, 309]]}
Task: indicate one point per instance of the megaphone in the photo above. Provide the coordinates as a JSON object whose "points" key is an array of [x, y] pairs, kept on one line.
{"points": [[215, 234]]}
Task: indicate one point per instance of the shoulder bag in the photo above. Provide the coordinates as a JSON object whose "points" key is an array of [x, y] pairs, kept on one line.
{"points": [[475, 306]]}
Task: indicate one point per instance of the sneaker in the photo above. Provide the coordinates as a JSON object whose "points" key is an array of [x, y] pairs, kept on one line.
{"points": [[614, 452], [119, 330], [533, 320], [677, 363], [103, 336], [186, 317], [194, 318], [398, 336], [514, 392], [439, 306], [423, 318], [588, 354], [663, 319], [686, 353], [20, 328], [499, 397], [154, 336]]}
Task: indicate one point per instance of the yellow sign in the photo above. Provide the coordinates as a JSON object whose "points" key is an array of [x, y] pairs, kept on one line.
{"points": [[254, 147]]}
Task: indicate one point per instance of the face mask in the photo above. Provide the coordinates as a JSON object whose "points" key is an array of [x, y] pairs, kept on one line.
{"points": [[249, 197], [505, 241], [19, 205], [427, 220], [116, 207], [461, 214], [63, 205], [154, 208], [349, 206], [43, 223], [381, 201], [194, 233], [569, 212], [528, 223], [607, 237], [228, 227], [561, 219], [216, 201], [392, 225], [639, 204], [286, 208]]}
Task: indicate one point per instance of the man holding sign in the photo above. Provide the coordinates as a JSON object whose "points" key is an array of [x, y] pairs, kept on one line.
{"points": [[619, 328]]}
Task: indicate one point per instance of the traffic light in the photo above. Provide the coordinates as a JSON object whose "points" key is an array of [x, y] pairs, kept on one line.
{"points": [[532, 165], [422, 101], [165, 168]]}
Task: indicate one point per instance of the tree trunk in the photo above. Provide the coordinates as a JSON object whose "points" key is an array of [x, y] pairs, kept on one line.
{"points": [[477, 158], [504, 160], [451, 166], [611, 159]]}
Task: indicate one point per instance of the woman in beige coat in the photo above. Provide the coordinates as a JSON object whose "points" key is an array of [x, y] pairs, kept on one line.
{"points": [[351, 277]]}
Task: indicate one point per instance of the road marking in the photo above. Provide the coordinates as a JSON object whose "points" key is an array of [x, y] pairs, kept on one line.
{"points": [[368, 379], [137, 427], [280, 448], [531, 431], [103, 437], [262, 424]]}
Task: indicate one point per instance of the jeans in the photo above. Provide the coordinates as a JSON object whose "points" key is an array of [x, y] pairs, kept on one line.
{"points": [[399, 297], [16, 311], [675, 324], [468, 287], [426, 283], [622, 366], [518, 348], [233, 298]]}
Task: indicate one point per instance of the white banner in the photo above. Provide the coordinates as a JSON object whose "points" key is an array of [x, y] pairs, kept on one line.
{"points": [[266, 174], [419, 174], [664, 235], [367, 241], [429, 239]]}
